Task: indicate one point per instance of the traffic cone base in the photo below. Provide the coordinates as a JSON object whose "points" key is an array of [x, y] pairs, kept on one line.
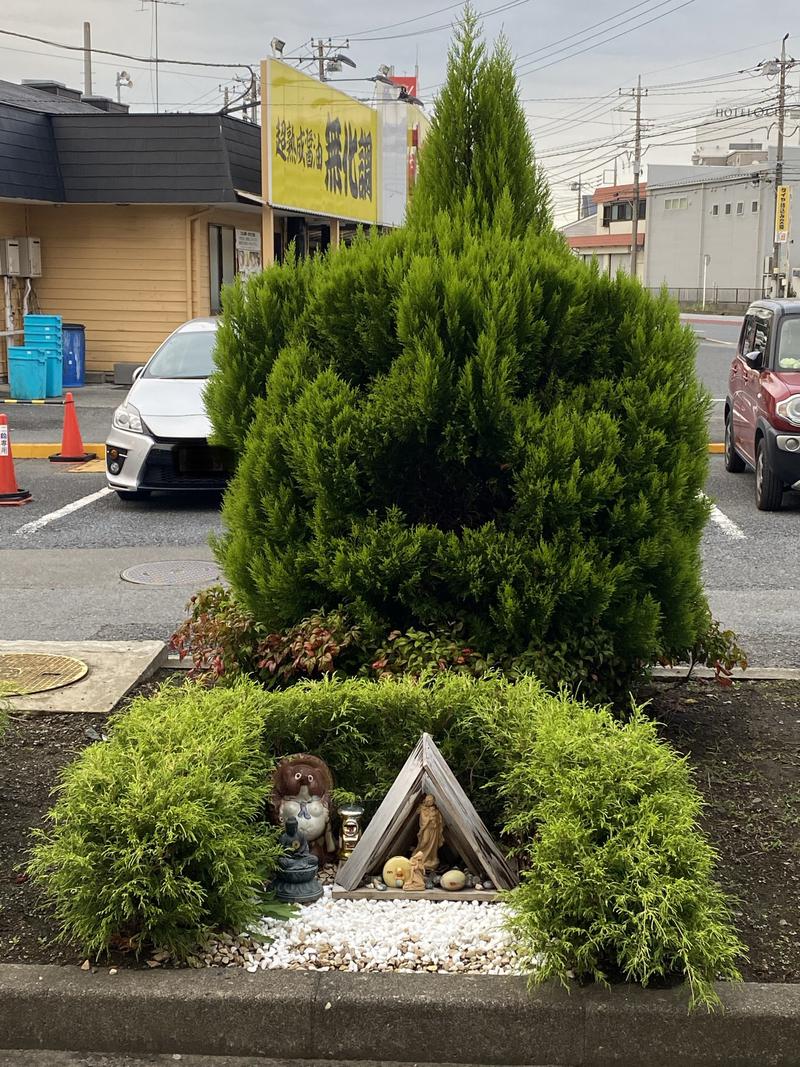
{"points": [[15, 500], [10, 493], [72, 450], [59, 457]]}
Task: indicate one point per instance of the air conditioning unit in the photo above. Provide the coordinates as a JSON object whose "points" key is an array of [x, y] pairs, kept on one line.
{"points": [[30, 257], [9, 257]]}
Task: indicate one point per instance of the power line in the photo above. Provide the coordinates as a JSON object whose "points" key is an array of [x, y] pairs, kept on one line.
{"points": [[123, 55], [447, 25], [608, 40]]}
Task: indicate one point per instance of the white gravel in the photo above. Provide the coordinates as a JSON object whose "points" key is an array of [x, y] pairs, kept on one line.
{"points": [[378, 935]]}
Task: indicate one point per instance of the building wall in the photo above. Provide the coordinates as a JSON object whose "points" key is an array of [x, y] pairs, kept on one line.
{"points": [[678, 240], [121, 270]]}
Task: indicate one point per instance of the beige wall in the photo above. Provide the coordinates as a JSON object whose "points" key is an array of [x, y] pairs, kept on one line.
{"points": [[121, 270]]}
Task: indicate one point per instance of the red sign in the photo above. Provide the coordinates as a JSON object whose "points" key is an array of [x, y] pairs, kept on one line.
{"points": [[407, 81]]}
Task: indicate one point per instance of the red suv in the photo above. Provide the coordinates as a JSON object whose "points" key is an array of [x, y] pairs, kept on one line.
{"points": [[762, 409]]}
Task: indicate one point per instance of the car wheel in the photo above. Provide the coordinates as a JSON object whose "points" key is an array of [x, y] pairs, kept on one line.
{"points": [[132, 494], [734, 463], [769, 489]]}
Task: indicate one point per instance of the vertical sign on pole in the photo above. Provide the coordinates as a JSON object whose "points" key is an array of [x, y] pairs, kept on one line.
{"points": [[783, 214]]}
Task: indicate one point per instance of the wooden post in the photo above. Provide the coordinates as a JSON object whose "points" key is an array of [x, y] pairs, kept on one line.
{"points": [[267, 214]]}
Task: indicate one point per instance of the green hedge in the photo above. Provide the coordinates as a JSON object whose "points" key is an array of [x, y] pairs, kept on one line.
{"points": [[157, 835]]}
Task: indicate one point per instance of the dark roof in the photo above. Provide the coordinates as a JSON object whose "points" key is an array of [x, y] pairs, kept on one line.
{"points": [[114, 158], [33, 99], [28, 160]]}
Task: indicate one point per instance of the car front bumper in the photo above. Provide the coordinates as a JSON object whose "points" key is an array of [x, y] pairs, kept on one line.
{"points": [[137, 461], [784, 458]]}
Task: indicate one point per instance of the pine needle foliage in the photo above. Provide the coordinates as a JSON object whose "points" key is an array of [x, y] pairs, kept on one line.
{"points": [[479, 144], [618, 880], [460, 425], [157, 836], [505, 438]]}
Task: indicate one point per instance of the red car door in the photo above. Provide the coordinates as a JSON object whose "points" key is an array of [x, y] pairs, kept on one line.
{"points": [[738, 382], [747, 399]]}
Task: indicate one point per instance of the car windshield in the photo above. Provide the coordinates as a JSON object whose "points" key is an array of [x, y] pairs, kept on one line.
{"points": [[789, 347], [187, 354]]}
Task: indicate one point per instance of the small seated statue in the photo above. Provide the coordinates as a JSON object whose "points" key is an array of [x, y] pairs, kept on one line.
{"points": [[415, 882], [296, 879]]}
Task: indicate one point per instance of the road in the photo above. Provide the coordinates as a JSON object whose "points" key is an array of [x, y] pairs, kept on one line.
{"points": [[61, 579]]}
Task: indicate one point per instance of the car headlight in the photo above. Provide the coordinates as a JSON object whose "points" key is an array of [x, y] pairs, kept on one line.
{"points": [[790, 410], [126, 417]]}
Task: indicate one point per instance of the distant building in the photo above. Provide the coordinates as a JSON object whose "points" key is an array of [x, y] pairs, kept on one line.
{"points": [[717, 223], [607, 235]]}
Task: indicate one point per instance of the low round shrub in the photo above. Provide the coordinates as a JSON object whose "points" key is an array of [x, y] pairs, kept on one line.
{"points": [[157, 835], [618, 877]]}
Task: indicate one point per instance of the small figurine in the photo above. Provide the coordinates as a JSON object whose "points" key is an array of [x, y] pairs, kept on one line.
{"points": [[296, 879], [415, 882], [396, 871], [301, 789], [431, 833]]}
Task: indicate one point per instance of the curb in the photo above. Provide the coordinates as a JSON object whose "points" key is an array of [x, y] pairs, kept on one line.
{"points": [[752, 674], [717, 448], [391, 1018], [40, 450]]}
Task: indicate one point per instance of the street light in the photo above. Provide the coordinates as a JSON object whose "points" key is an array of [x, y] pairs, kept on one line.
{"points": [[340, 57], [277, 46], [123, 78]]}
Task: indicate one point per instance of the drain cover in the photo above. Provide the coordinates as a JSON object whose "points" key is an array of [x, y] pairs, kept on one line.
{"points": [[173, 572], [32, 672]]}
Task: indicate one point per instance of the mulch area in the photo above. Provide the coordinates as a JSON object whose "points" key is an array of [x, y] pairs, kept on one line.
{"points": [[744, 743]]}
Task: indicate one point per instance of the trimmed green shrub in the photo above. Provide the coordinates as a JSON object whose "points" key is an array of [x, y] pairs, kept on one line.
{"points": [[618, 879], [157, 835], [460, 425]]}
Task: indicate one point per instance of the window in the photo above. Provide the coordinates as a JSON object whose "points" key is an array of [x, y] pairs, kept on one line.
{"points": [[727, 209], [715, 209], [761, 339], [221, 261], [676, 203], [740, 208], [789, 348], [684, 203], [186, 354], [754, 207], [747, 335]]}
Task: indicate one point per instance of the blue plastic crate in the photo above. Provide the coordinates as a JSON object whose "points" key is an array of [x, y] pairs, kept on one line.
{"points": [[43, 320], [27, 373]]}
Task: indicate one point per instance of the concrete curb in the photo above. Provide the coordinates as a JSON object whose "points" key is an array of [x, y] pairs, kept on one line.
{"points": [[752, 674], [439, 1019], [41, 450]]}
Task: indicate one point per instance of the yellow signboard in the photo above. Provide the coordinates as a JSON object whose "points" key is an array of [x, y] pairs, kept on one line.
{"points": [[783, 213], [323, 148]]}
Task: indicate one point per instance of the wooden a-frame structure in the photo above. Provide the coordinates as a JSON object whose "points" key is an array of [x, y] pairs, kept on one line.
{"points": [[392, 830]]}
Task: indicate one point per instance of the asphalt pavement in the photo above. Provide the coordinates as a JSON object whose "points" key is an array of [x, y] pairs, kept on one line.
{"points": [[62, 555]]}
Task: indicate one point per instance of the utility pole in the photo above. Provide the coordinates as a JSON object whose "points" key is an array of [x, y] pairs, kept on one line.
{"points": [[321, 59], [779, 160], [155, 5], [637, 168], [87, 59], [578, 187]]}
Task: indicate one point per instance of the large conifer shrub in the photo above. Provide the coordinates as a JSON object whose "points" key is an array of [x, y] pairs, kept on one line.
{"points": [[462, 424]]}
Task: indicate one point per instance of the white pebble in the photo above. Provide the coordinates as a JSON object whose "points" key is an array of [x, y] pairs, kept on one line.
{"points": [[381, 935]]}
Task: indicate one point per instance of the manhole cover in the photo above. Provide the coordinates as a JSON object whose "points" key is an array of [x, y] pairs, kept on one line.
{"points": [[173, 572], [33, 672]]}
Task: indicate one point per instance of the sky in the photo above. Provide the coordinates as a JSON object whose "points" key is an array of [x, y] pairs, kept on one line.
{"points": [[693, 56]]}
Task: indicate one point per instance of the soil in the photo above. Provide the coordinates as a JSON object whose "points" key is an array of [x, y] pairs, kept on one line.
{"points": [[743, 742]]}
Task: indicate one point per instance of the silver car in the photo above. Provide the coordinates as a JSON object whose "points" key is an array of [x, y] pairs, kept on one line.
{"points": [[159, 437]]}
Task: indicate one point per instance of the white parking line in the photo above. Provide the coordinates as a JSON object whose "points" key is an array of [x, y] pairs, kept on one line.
{"points": [[76, 505], [727, 525]]}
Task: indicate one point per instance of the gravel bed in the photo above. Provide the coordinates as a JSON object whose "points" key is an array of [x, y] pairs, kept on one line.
{"points": [[377, 935]]}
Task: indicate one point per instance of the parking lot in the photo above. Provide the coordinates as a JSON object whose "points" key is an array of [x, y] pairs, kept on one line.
{"points": [[62, 555]]}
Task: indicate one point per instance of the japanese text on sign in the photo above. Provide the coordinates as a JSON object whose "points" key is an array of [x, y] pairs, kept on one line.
{"points": [[783, 210], [322, 150]]}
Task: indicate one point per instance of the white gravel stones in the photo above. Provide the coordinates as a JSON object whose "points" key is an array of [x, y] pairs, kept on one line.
{"points": [[378, 935]]}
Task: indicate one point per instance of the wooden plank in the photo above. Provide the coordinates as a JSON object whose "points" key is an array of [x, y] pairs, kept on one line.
{"points": [[486, 895]]}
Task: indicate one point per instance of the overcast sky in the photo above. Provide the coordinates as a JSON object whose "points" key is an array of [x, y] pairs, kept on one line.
{"points": [[694, 41]]}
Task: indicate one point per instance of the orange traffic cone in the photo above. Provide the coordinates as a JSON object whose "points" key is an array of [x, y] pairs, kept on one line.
{"points": [[10, 493], [71, 441]]}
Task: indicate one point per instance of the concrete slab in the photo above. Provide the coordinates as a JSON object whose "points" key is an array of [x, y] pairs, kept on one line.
{"points": [[115, 668]]}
